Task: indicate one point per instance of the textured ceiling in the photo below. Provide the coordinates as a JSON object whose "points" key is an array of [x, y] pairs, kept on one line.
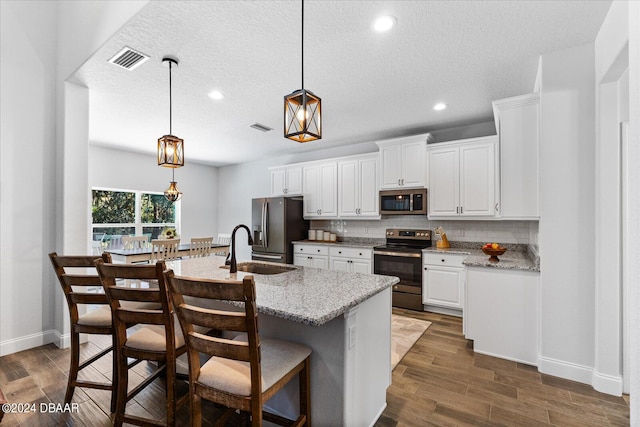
{"points": [[372, 85]]}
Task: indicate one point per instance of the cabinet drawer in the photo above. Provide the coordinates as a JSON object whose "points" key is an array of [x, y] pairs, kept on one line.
{"points": [[447, 260], [350, 252], [311, 249]]}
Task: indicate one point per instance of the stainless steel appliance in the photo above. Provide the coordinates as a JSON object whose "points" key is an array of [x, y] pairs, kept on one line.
{"points": [[276, 222], [412, 201], [401, 256]]}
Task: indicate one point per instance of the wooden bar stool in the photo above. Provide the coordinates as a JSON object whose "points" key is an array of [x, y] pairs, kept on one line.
{"points": [[96, 321], [154, 339], [242, 373]]}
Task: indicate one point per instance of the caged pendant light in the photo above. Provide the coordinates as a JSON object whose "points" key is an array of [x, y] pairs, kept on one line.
{"points": [[170, 147], [302, 109]]}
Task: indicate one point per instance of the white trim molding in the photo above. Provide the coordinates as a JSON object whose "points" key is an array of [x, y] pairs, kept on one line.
{"points": [[603, 383], [610, 384], [26, 342]]}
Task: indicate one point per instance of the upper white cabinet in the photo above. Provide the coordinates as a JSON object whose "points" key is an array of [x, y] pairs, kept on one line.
{"points": [[320, 190], [517, 126], [462, 178], [403, 162], [358, 187], [286, 180]]}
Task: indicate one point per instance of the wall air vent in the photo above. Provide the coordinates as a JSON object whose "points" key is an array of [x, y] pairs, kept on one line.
{"points": [[128, 58], [260, 127]]}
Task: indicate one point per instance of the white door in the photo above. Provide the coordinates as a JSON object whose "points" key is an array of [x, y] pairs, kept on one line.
{"points": [[339, 264], [294, 180], [348, 188], [368, 188], [444, 178], [391, 166], [361, 266], [311, 191], [477, 180], [413, 164], [319, 262], [328, 178], [278, 182], [443, 286], [301, 260]]}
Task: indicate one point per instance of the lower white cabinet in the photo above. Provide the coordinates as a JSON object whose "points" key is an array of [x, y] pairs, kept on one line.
{"points": [[443, 279], [353, 260], [316, 256], [501, 313]]}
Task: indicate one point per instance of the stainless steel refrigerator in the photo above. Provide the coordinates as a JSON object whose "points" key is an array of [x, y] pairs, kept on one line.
{"points": [[276, 222]]}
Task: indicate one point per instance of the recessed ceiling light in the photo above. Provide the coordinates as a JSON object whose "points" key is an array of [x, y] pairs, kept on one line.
{"points": [[384, 23], [440, 106], [216, 94]]}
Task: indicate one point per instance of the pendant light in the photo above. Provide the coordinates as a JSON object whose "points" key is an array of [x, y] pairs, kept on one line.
{"points": [[302, 109], [170, 147]]}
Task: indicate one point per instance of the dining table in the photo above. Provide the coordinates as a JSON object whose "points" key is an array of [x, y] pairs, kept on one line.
{"points": [[128, 256]]}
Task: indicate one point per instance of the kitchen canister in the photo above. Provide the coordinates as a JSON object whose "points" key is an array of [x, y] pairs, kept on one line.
{"points": [[312, 235], [319, 235], [333, 237], [327, 236]]}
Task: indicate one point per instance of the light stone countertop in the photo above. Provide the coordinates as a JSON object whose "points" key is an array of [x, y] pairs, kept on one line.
{"points": [[510, 260], [311, 296]]}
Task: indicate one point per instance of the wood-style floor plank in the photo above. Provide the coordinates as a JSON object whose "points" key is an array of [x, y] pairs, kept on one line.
{"points": [[440, 382]]}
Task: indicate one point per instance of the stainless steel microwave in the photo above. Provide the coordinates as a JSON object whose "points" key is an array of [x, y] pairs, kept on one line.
{"points": [[403, 202]]}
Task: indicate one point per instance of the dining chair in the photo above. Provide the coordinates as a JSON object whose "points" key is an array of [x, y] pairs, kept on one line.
{"points": [[223, 239], [134, 242], [242, 373], [164, 249], [154, 337], [76, 284], [200, 247]]}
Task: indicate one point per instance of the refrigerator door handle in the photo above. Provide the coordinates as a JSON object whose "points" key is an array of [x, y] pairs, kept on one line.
{"points": [[266, 224], [267, 256]]}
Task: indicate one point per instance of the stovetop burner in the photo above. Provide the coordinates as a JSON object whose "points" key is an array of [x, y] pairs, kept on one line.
{"points": [[404, 240]]}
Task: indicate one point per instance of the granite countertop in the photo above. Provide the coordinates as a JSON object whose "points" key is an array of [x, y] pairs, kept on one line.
{"points": [[350, 242], [517, 257], [311, 296]]}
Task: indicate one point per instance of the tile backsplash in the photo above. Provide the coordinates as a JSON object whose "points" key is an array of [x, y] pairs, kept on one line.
{"points": [[524, 232]]}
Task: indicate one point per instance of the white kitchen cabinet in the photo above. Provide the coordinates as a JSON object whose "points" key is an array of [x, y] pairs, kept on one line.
{"points": [[403, 162], [517, 126], [443, 281], [286, 180], [353, 260], [501, 313], [462, 178], [358, 187], [316, 256], [320, 191]]}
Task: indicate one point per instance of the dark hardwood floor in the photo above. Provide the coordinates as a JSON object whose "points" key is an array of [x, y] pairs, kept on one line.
{"points": [[440, 382]]}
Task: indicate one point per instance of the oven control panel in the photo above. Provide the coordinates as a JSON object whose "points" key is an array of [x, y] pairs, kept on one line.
{"points": [[408, 234]]}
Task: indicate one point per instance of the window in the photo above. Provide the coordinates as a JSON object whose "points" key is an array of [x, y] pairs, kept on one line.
{"points": [[117, 213]]}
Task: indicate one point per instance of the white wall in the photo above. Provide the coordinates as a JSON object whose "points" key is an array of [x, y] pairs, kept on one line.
{"points": [[567, 213], [109, 168], [42, 43]]}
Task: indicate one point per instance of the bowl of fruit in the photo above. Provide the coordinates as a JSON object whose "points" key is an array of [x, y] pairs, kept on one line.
{"points": [[493, 250]]}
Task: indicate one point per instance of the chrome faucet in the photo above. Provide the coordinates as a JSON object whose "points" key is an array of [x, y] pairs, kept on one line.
{"points": [[233, 266]]}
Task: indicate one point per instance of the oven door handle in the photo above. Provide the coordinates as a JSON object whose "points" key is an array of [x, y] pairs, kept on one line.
{"points": [[398, 254]]}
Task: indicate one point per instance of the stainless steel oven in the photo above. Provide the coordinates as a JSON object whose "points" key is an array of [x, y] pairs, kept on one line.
{"points": [[401, 256]]}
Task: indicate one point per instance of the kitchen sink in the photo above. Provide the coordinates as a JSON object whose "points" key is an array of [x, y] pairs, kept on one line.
{"points": [[259, 268]]}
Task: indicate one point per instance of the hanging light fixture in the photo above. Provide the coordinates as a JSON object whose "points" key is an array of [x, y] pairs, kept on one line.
{"points": [[170, 147], [302, 109]]}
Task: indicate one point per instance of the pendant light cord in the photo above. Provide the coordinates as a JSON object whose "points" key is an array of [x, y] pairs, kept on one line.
{"points": [[170, 101], [302, 43]]}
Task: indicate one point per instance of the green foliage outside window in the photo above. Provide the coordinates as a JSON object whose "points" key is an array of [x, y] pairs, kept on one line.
{"points": [[113, 207], [155, 209]]}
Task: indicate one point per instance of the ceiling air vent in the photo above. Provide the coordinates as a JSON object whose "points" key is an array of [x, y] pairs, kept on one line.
{"points": [[260, 127], [128, 58]]}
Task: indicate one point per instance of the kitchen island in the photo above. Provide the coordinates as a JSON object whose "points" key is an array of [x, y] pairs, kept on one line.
{"points": [[344, 317]]}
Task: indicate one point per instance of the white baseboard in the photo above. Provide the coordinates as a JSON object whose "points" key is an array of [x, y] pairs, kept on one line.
{"points": [[379, 414], [26, 342], [609, 384]]}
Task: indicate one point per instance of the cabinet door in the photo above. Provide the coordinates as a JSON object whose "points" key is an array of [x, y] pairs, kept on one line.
{"points": [[278, 182], [311, 191], [339, 264], [519, 160], [294, 180], [319, 261], [368, 188], [412, 164], [301, 260], [444, 181], [477, 179], [348, 188], [328, 177], [391, 166], [443, 286], [361, 266]]}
